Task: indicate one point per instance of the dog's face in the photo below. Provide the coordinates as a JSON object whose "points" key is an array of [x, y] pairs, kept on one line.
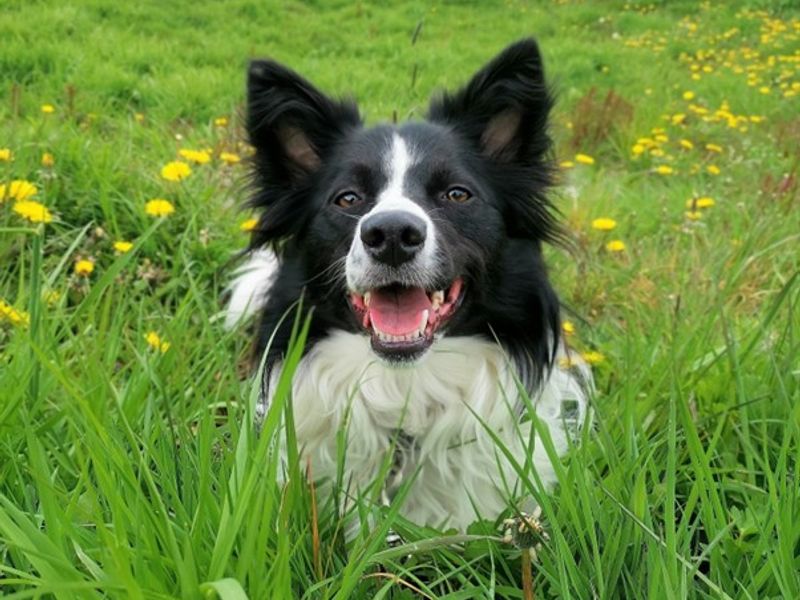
{"points": [[403, 233]]}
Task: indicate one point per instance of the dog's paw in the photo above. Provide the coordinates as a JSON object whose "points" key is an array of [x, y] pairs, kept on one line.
{"points": [[526, 532]]}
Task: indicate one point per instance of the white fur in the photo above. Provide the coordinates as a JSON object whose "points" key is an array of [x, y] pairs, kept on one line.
{"points": [[439, 402], [250, 286], [392, 197]]}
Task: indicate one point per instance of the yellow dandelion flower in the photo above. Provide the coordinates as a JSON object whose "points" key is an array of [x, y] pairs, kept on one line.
{"points": [[704, 202], [155, 342], [6, 155], [138, 117], [713, 169], [678, 118], [566, 164], [661, 138], [16, 317], [687, 95], [229, 158], [33, 211], [248, 225], [158, 207], [84, 267], [615, 246], [713, 148], [687, 144], [693, 215], [176, 170], [637, 149], [568, 327], [764, 89], [122, 246], [658, 152], [221, 121], [756, 118], [48, 109], [199, 157], [19, 189], [48, 160], [664, 170], [593, 357], [584, 159], [604, 224]]}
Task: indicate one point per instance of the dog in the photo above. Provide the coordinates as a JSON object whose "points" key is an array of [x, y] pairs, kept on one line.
{"points": [[434, 341]]}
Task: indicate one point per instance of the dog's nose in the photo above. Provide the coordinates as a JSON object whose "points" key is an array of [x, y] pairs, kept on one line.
{"points": [[393, 237]]}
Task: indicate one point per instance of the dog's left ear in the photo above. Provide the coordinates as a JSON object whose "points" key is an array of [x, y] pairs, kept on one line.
{"points": [[504, 112], [504, 108]]}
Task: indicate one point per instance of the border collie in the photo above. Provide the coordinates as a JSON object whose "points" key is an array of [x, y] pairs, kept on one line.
{"points": [[435, 330]]}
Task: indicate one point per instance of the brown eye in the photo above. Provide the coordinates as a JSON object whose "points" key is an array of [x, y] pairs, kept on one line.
{"points": [[457, 194], [347, 199]]}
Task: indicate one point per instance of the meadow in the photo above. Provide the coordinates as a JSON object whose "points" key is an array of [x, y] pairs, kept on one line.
{"points": [[128, 464]]}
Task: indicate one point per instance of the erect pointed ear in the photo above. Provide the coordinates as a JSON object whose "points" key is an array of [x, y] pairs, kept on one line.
{"points": [[504, 108], [292, 126], [290, 123]]}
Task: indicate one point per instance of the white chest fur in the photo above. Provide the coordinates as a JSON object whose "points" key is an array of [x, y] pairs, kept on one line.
{"points": [[444, 404]]}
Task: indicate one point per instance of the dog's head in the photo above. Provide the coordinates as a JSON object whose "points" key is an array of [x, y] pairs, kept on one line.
{"points": [[410, 232]]}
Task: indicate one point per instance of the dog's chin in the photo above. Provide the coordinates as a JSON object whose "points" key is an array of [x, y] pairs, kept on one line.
{"points": [[403, 321]]}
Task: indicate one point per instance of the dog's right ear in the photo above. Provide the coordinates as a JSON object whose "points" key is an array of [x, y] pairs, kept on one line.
{"points": [[292, 126]]}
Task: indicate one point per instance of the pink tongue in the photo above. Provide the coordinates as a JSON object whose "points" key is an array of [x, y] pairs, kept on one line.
{"points": [[398, 311]]}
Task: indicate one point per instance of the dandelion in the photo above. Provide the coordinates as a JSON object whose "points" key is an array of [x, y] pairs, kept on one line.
{"points": [[568, 327], [175, 171], [664, 170], [221, 121], [248, 225], [6, 155], [604, 224], [637, 149], [593, 357], [713, 148], [33, 211], [16, 317], [199, 157], [19, 190], [229, 158], [48, 160], [566, 164], [615, 246], [122, 246], [713, 170], [686, 144], [158, 207], [662, 138], [704, 202], [693, 215], [687, 95], [155, 342], [584, 159], [764, 89], [83, 267], [678, 118], [48, 109], [138, 117]]}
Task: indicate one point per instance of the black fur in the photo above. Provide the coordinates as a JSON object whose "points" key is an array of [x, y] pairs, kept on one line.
{"points": [[490, 136]]}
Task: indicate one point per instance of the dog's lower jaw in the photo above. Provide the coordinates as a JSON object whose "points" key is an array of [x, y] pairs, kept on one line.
{"points": [[446, 403]]}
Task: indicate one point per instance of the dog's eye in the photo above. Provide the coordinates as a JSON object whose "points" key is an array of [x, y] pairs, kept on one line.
{"points": [[347, 199], [457, 194]]}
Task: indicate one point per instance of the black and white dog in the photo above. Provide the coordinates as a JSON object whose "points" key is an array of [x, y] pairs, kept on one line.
{"points": [[419, 247]]}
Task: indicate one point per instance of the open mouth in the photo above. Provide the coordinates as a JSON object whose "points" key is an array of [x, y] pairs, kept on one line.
{"points": [[403, 320]]}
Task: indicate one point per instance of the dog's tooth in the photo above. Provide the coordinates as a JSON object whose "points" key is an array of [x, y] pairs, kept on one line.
{"points": [[424, 323], [437, 299], [367, 297]]}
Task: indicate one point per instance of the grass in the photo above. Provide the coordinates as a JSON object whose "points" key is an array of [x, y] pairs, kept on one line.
{"points": [[129, 468]]}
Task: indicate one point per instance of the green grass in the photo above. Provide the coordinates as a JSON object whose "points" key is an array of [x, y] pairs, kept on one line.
{"points": [[128, 472]]}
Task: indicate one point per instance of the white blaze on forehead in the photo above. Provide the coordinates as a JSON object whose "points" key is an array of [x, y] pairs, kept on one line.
{"points": [[397, 162]]}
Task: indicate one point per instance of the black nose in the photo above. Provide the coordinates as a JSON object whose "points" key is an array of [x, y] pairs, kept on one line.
{"points": [[393, 237]]}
